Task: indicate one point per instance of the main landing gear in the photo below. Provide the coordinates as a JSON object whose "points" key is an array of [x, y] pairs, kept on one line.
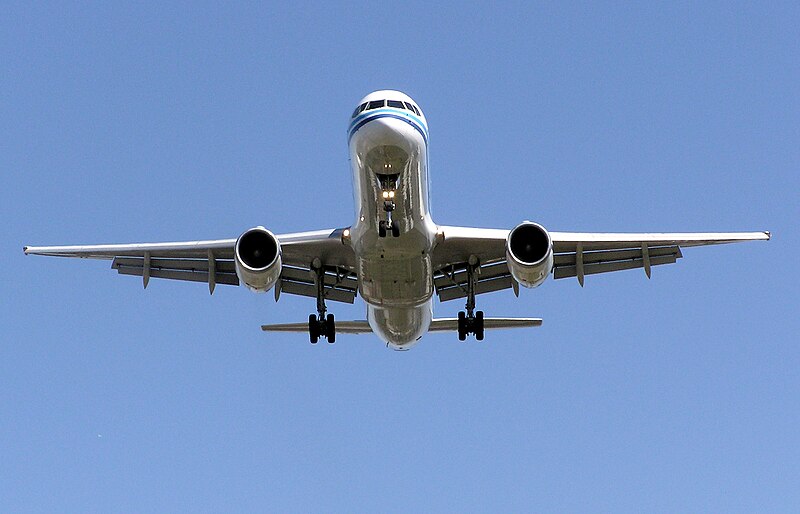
{"points": [[321, 324], [470, 322], [388, 187]]}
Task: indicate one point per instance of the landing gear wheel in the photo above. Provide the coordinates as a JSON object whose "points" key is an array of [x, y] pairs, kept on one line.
{"points": [[313, 328], [395, 230], [471, 321], [478, 328], [330, 328], [382, 229], [320, 325]]}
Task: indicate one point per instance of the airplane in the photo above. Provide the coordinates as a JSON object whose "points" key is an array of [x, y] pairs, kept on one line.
{"points": [[395, 257]]}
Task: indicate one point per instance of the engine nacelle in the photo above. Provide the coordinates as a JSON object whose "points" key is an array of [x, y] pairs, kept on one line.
{"points": [[258, 259], [529, 253]]}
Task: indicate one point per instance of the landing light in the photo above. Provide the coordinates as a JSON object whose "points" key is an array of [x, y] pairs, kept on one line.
{"points": [[385, 194]]}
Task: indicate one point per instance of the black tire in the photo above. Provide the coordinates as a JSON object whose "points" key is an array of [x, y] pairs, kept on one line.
{"points": [[313, 328], [382, 229], [395, 230], [479, 325], [330, 328], [462, 326]]}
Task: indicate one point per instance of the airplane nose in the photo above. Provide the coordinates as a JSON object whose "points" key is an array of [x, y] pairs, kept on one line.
{"points": [[387, 131]]}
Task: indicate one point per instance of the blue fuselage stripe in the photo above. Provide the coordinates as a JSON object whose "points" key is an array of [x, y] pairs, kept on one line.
{"points": [[386, 113]]}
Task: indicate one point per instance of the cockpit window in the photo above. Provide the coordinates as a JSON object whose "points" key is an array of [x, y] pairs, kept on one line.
{"points": [[377, 104], [412, 107], [359, 109]]}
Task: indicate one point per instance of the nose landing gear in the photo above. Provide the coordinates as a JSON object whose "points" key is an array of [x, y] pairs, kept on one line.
{"points": [[386, 227], [388, 184]]}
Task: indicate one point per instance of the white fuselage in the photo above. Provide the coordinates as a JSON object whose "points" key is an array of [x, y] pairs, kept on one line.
{"points": [[389, 153]]}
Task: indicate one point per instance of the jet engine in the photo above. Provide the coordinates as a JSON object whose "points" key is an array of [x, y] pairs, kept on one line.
{"points": [[529, 253], [258, 259]]}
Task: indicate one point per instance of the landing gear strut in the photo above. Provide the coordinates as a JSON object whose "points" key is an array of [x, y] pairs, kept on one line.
{"points": [[320, 324], [388, 186], [470, 322]]}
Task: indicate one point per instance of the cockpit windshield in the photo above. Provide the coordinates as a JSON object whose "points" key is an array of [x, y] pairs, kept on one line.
{"points": [[359, 109], [377, 104]]}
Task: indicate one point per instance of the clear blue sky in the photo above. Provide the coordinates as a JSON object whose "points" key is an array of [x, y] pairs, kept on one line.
{"points": [[152, 123]]}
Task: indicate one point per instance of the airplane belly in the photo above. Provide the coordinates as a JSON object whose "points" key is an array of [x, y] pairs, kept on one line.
{"points": [[400, 328], [393, 234], [395, 282]]}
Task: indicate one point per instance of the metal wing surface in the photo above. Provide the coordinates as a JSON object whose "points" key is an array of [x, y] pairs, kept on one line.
{"points": [[212, 261], [576, 254]]}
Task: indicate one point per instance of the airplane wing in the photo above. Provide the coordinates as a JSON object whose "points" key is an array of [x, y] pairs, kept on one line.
{"points": [[576, 254], [212, 262]]}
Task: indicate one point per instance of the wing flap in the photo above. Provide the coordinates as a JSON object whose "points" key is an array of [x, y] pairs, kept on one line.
{"points": [[609, 266], [340, 284], [334, 277], [458, 274], [339, 287], [569, 259], [190, 270], [220, 266], [310, 290], [185, 275], [483, 286], [451, 282]]}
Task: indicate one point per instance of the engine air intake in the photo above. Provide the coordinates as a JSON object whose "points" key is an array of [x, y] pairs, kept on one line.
{"points": [[529, 243], [257, 249], [529, 253], [258, 259]]}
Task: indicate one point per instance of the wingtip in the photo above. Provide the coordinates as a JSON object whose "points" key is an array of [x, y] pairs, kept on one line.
{"points": [[25, 250], [768, 234]]}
